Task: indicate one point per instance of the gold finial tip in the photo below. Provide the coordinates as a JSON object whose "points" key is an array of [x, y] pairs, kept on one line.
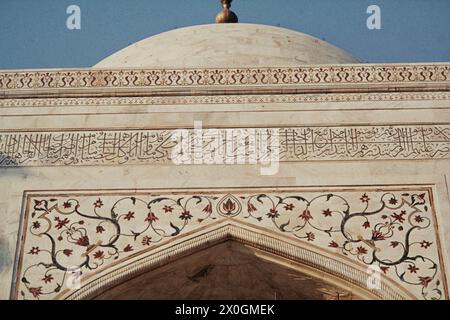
{"points": [[226, 16]]}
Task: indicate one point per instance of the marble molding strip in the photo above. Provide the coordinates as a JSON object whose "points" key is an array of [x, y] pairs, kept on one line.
{"points": [[144, 82], [224, 99]]}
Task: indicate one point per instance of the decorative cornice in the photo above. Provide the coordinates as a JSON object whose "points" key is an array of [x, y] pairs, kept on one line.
{"points": [[167, 82]]}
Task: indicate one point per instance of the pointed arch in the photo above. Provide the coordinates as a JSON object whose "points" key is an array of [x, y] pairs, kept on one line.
{"points": [[312, 260]]}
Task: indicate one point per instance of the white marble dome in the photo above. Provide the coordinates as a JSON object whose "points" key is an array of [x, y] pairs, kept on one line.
{"points": [[227, 46]]}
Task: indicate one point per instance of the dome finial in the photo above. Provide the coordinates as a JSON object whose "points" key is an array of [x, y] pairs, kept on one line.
{"points": [[226, 16]]}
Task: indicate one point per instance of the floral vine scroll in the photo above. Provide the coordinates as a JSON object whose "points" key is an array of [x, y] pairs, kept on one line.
{"points": [[392, 229]]}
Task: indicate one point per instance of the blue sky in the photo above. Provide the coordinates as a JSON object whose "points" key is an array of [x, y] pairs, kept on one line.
{"points": [[33, 33]]}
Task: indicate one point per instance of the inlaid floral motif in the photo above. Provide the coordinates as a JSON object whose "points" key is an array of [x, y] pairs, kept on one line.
{"points": [[394, 230]]}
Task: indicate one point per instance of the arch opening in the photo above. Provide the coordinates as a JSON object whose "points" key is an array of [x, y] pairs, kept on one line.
{"points": [[227, 271], [284, 259]]}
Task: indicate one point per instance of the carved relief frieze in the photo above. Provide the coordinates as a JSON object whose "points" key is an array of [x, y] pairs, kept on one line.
{"points": [[129, 80]]}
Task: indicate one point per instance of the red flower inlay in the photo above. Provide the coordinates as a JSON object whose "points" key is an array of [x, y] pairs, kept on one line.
{"points": [[365, 198], [47, 278], [425, 281], [229, 206], [394, 244], [146, 241], [34, 250], [251, 208], [128, 248], [306, 215], [418, 218], [99, 255], [151, 217], [310, 236], [289, 207], [208, 209], [327, 212], [393, 201], [61, 223], [384, 269], [68, 252], [36, 292], [399, 217], [98, 203], [425, 244], [129, 216], [186, 215], [168, 209], [100, 229], [366, 225], [361, 250], [273, 213], [333, 244], [67, 205], [412, 268], [377, 236], [83, 241]]}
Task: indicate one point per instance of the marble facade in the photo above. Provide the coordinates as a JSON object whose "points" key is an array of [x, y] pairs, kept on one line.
{"points": [[90, 189]]}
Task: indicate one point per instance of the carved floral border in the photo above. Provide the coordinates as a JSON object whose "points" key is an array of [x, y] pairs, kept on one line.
{"points": [[47, 81]]}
